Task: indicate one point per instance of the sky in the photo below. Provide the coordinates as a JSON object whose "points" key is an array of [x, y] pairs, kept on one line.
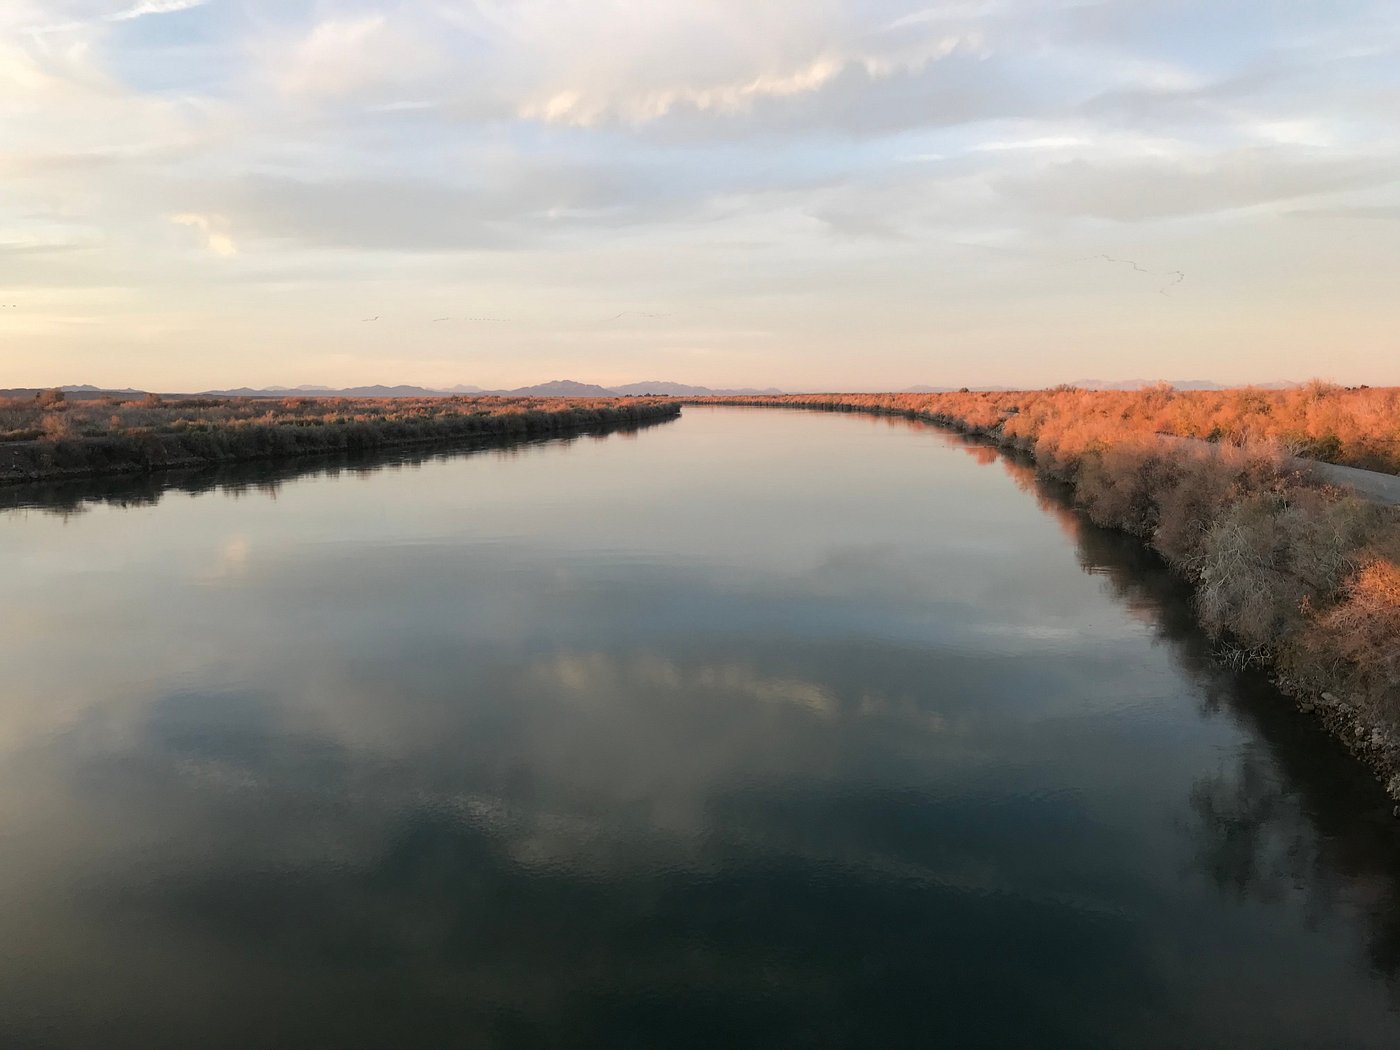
{"points": [[810, 194]]}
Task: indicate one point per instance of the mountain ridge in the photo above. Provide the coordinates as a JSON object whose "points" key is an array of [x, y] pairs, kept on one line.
{"points": [[575, 388], [552, 388]]}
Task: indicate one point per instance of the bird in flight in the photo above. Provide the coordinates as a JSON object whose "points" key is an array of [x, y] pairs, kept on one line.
{"points": [[1176, 275], [630, 313]]}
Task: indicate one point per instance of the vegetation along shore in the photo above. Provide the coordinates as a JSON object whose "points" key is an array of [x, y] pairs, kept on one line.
{"points": [[1289, 571], [49, 437]]}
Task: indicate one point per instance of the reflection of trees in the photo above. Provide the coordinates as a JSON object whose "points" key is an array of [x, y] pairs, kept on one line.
{"points": [[66, 497], [1248, 844], [1273, 827], [1295, 815]]}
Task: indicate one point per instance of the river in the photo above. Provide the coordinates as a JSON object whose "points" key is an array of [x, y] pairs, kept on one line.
{"points": [[757, 728]]}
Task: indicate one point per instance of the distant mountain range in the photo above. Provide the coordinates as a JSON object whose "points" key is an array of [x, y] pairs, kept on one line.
{"points": [[554, 388], [573, 388]]}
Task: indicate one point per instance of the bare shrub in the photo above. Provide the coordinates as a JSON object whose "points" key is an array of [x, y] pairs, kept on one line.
{"points": [[1242, 587], [1364, 629], [19, 420], [59, 425]]}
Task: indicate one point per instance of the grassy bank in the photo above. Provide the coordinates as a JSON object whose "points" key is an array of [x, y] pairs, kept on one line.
{"points": [[1287, 572], [72, 495], [1351, 426], [51, 438]]}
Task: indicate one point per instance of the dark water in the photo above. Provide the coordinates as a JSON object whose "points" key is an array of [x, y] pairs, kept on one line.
{"points": [[753, 729]]}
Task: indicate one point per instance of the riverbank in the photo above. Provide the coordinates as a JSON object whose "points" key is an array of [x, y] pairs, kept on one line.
{"points": [[45, 441], [1289, 573], [1349, 426]]}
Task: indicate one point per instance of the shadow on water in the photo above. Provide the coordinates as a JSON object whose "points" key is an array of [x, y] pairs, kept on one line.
{"points": [[70, 496], [1295, 814]]}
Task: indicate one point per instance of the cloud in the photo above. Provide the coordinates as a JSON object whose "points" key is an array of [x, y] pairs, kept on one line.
{"points": [[354, 57], [518, 204], [1150, 188], [604, 63], [1367, 212], [946, 12], [140, 10], [585, 106], [41, 247], [599, 674], [1046, 142], [155, 7], [214, 229]]}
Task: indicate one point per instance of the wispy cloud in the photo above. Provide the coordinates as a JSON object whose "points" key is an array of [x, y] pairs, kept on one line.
{"points": [[1046, 142], [948, 12], [155, 7], [129, 14], [585, 105]]}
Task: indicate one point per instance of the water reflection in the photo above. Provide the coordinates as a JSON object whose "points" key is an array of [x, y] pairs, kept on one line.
{"points": [[1292, 820], [68, 496], [503, 754]]}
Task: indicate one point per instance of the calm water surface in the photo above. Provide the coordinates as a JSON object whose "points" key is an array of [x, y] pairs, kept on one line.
{"points": [[758, 728]]}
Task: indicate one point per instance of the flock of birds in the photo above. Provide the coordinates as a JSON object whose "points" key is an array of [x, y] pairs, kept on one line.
{"points": [[1175, 277]]}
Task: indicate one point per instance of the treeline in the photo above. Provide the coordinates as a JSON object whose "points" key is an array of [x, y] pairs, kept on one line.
{"points": [[49, 437], [1287, 571]]}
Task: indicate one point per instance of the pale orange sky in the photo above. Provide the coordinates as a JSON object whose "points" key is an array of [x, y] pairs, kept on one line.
{"points": [[852, 195]]}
